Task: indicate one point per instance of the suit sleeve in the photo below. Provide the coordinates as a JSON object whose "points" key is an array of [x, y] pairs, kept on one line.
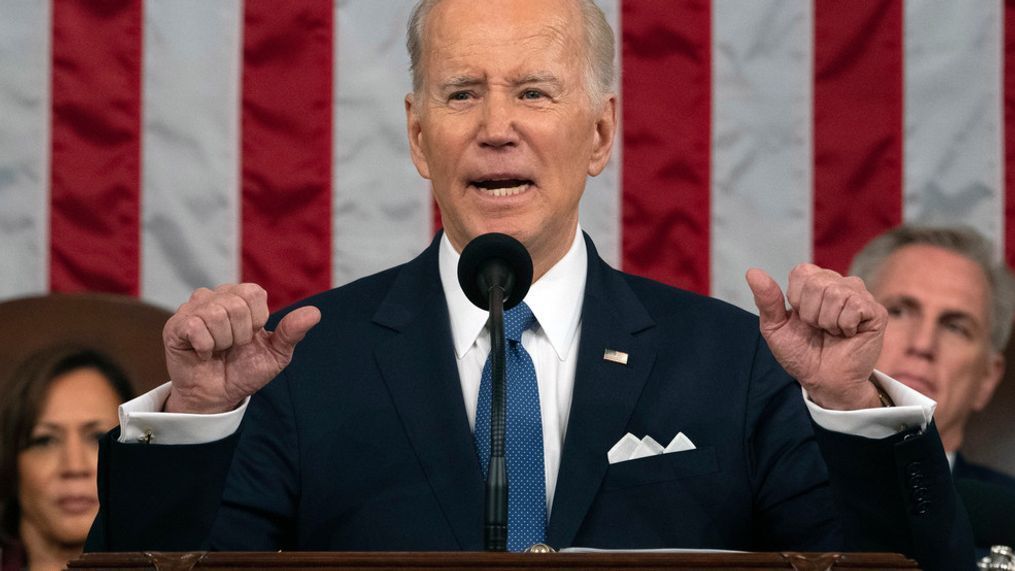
{"points": [[236, 494], [896, 494], [148, 502], [827, 491]]}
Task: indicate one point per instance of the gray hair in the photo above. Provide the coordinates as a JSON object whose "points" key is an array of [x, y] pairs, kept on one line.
{"points": [[599, 51], [963, 241]]}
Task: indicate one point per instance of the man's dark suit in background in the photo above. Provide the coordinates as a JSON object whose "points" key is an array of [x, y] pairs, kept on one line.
{"points": [[967, 470], [989, 497], [362, 443]]}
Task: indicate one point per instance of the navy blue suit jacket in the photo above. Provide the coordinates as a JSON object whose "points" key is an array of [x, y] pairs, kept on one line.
{"points": [[989, 496], [362, 443]]}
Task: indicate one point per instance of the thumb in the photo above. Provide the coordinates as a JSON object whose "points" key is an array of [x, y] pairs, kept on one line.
{"points": [[769, 299], [292, 328]]}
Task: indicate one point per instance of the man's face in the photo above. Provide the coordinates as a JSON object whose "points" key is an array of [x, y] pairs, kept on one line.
{"points": [[503, 125], [938, 336]]}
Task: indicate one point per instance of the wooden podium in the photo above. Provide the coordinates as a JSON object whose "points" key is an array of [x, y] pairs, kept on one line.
{"points": [[183, 561]]}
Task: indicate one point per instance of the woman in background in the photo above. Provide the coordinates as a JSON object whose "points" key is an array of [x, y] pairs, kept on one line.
{"points": [[54, 409]]}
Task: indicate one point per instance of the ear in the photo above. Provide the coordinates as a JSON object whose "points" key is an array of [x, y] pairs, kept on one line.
{"points": [[414, 127], [606, 130], [994, 374]]}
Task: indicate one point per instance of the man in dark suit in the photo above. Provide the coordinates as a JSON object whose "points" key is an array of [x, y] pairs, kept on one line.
{"points": [[364, 439], [950, 304]]}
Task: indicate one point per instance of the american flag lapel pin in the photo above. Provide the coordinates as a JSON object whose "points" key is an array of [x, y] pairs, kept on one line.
{"points": [[615, 356]]}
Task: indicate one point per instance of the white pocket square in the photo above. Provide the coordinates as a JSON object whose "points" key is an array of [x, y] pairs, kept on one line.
{"points": [[630, 447]]}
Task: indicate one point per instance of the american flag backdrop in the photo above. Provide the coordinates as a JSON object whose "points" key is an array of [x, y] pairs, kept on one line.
{"points": [[149, 147]]}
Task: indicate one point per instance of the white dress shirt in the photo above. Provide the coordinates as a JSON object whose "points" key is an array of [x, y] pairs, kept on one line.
{"points": [[553, 346], [552, 343]]}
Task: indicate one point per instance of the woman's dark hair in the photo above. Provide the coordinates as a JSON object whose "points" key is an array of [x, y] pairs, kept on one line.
{"points": [[21, 400]]}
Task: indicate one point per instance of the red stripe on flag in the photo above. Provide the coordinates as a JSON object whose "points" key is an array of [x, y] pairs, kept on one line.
{"points": [[286, 147], [1009, 131], [96, 150], [858, 99], [667, 85]]}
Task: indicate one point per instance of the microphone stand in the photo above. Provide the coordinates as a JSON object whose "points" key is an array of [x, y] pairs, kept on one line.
{"points": [[495, 271], [495, 530]]}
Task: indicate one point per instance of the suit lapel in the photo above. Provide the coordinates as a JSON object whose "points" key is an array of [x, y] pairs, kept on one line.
{"points": [[418, 366], [605, 393]]}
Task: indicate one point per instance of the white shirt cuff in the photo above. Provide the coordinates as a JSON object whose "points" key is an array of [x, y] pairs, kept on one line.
{"points": [[141, 420], [911, 410]]}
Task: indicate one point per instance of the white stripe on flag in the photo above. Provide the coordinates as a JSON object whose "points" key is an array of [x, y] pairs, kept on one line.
{"points": [[24, 147], [954, 166], [382, 207], [190, 147], [600, 206], [761, 141]]}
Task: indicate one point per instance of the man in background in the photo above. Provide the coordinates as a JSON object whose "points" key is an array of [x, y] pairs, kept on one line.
{"points": [[950, 304], [950, 307]]}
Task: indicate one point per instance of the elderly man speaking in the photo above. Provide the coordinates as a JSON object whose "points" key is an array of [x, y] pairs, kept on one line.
{"points": [[651, 417]]}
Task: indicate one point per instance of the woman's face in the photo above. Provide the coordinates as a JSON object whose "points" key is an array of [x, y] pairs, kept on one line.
{"points": [[56, 471]]}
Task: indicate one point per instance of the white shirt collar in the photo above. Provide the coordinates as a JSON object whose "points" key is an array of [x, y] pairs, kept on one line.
{"points": [[559, 321]]}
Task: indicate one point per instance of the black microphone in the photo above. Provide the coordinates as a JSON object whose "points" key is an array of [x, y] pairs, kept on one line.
{"points": [[495, 272], [495, 260]]}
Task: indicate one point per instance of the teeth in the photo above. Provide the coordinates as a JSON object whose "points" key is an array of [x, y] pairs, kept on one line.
{"points": [[510, 191]]}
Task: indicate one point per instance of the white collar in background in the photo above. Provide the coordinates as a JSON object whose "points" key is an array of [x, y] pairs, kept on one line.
{"points": [[555, 299]]}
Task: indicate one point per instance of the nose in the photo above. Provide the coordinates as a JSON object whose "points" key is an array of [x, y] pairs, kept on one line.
{"points": [[79, 458], [922, 341], [498, 128]]}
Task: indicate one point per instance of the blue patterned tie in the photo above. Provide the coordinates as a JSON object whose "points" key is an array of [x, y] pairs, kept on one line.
{"points": [[523, 449]]}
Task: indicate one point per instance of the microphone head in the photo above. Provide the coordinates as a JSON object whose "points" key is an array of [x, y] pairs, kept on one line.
{"points": [[495, 260]]}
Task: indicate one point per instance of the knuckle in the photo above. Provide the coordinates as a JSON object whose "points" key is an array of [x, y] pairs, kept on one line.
{"points": [[176, 327], [880, 312], [866, 306], [250, 290], [194, 325], [234, 306], [812, 288], [255, 298], [213, 314], [799, 271], [199, 294], [840, 294], [855, 282]]}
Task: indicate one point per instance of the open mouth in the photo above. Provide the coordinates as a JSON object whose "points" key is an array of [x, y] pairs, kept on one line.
{"points": [[502, 187]]}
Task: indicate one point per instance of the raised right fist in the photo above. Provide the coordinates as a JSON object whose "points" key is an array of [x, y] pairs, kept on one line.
{"points": [[218, 352]]}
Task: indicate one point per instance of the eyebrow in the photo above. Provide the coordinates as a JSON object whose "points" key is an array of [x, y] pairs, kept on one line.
{"points": [[543, 77], [55, 426], [945, 315], [460, 81]]}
